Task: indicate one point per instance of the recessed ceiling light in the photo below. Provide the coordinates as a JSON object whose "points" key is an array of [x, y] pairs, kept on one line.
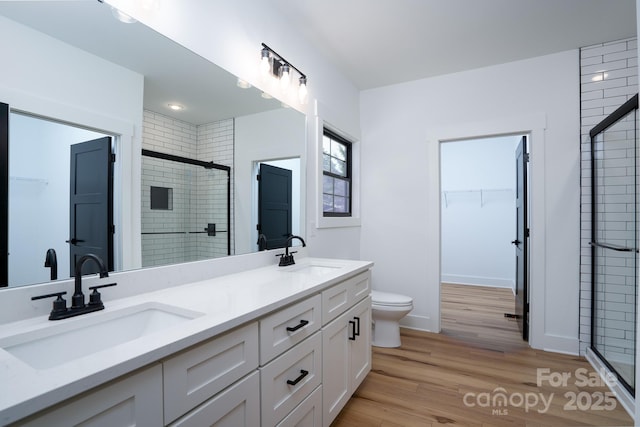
{"points": [[176, 107], [265, 95], [122, 17], [243, 84]]}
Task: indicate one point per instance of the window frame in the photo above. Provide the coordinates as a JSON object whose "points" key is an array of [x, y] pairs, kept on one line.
{"points": [[348, 178]]}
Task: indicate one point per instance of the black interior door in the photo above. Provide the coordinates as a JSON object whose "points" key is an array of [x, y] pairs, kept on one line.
{"points": [[522, 234], [274, 205], [91, 203]]}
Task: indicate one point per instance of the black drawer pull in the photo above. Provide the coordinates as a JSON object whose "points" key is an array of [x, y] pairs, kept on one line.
{"points": [[303, 374], [353, 330], [302, 324], [357, 331]]}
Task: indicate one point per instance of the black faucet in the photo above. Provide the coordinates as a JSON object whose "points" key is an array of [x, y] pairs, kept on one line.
{"points": [[77, 300], [51, 261], [60, 310], [287, 257]]}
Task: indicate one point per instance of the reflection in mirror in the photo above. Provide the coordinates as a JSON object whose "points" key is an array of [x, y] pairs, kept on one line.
{"points": [[39, 182], [73, 63], [185, 209]]}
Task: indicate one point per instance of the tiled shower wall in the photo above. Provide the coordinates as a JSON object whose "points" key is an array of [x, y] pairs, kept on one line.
{"points": [[199, 195], [609, 77]]}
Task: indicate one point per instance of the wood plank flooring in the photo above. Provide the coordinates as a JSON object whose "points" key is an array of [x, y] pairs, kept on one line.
{"points": [[458, 376]]}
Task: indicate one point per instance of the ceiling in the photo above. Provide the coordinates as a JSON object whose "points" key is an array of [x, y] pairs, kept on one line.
{"points": [[382, 42], [172, 73], [372, 42]]}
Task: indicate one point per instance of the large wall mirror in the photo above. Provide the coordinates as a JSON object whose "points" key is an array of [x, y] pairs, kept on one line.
{"points": [[183, 181]]}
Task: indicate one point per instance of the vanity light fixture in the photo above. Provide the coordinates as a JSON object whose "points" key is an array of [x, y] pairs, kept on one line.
{"points": [[272, 64], [302, 90]]}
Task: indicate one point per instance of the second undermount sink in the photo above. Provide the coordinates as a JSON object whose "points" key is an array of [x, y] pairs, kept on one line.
{"points": [[81, 336]]}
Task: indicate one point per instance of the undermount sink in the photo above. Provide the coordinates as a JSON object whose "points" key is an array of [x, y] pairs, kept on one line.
{"points": [[81, 336], [312, 269]]}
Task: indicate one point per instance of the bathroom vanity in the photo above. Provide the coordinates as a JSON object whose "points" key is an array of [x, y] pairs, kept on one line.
{"points": [[267, 346]]}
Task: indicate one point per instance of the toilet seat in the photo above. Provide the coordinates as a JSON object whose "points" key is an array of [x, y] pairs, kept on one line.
{"points": [[390, 299]]}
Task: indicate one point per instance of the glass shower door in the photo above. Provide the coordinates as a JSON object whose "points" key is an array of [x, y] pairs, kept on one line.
{"points": [[185, 209], [615, 242]]}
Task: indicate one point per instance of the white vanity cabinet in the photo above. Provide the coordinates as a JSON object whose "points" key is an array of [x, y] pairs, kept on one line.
{"points": [[297, 365], [237, 406], [199, 373], [134, 400], [291, 359], [346, 344]]}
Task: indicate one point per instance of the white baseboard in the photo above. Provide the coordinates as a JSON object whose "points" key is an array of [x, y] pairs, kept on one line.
{"points": [[496, 282], [421, 323], [558, 344]]}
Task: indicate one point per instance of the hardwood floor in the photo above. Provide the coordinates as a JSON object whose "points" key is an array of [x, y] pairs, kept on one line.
{"points": [[458, 377]]}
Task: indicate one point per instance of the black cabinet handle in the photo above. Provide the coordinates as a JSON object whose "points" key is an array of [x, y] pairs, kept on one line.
{"points": [[353, 330], [516, 242], [302, 324], [357, 330], [303, 374]]}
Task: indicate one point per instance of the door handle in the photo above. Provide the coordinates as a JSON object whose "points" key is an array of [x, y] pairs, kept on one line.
{"points": [[73, 241], [516, 242]]}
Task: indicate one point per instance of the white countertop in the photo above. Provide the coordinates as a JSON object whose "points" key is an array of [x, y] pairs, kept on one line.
{"points": [[221, 303]]}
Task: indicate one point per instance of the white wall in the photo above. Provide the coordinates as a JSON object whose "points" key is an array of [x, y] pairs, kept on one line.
{"points": [[478, 211], [230, 35], [401, 129], [86, 90]]}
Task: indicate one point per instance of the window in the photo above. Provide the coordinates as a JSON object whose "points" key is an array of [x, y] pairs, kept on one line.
{"points": [[336, 171]]}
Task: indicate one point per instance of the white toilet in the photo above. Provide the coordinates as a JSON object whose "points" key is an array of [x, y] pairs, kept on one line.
{"points": [[387, 310]]}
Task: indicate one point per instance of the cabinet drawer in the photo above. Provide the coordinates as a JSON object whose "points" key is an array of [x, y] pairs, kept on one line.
{"points": [[196, 374], [287, 380], [337, 299], [360, 286], [237, 406], [287, 327], [134, 400], [306, 414]]}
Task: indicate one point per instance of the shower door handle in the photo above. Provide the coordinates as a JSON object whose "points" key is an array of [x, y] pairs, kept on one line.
{"points": [[516, 242]]}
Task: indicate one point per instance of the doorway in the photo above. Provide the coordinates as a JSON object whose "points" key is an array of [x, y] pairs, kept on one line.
{"points": [[38, 202], [292, 171], [483, 248]]}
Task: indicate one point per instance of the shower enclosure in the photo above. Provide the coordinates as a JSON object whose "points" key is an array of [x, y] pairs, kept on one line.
{"points": [[614, 241], [186, 206]]}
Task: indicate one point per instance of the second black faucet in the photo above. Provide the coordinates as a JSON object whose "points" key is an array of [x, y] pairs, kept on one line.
{"points": [[287, 257]]}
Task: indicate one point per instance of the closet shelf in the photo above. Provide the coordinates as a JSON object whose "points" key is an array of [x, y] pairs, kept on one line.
{"points": [[481, 192], [27, 179]]}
